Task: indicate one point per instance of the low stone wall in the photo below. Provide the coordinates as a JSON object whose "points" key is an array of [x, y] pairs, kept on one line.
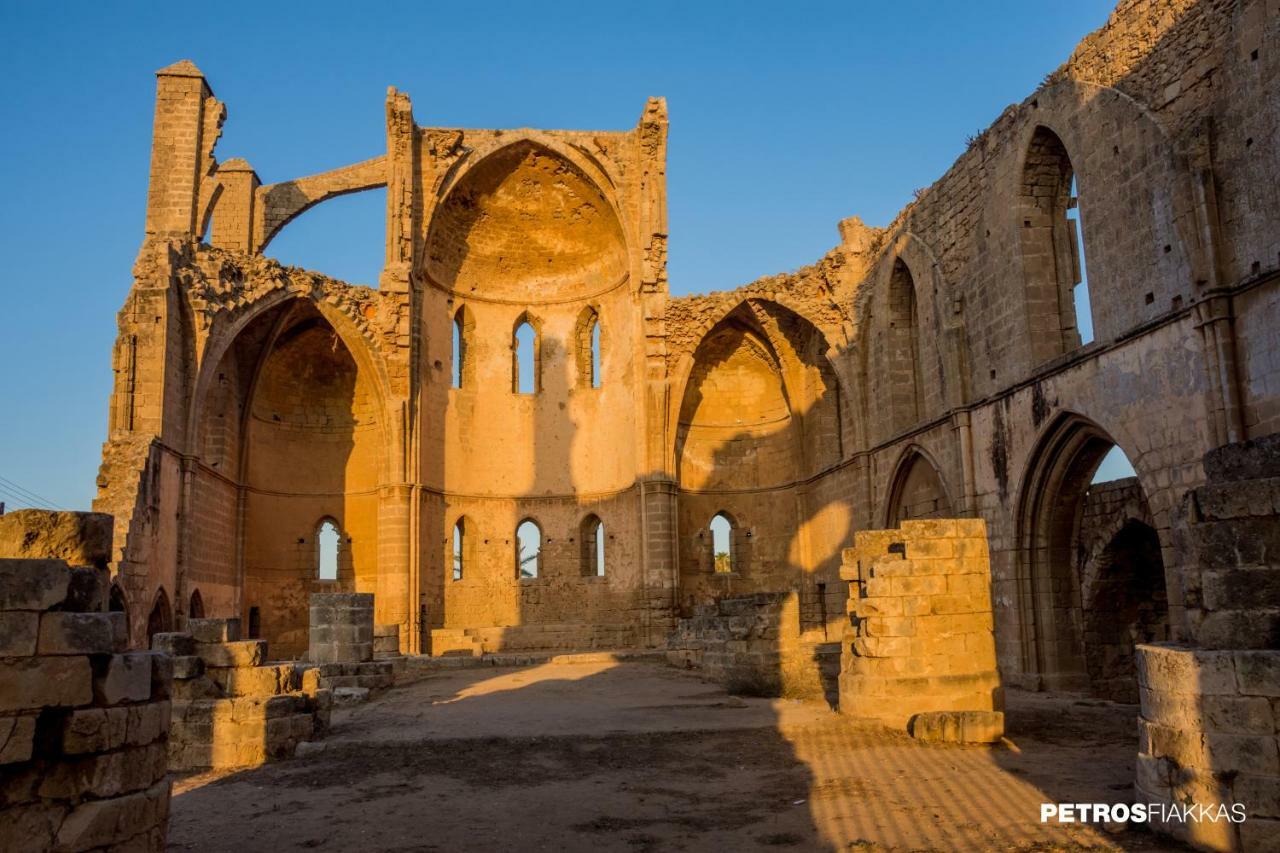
{"points": [[386, 642], [750, 644], [921, 636], [83, 723], [341, 629], [1209, 735], [232, 708]]}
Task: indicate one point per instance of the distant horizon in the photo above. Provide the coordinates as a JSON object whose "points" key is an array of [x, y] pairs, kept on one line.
{"points": [[780, 128]]}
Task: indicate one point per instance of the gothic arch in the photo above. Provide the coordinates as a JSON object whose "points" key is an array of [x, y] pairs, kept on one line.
{"points": [[917, 489], [1050, 610]]}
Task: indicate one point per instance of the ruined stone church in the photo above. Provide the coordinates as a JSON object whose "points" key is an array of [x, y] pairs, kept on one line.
{"points": [[520, 440]]}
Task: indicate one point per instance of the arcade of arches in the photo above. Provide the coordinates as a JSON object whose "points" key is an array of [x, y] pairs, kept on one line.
{"points": [[1098, 270]]}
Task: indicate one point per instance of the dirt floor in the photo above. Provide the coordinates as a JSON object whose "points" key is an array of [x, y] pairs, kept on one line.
{"points": [[640, 757]]}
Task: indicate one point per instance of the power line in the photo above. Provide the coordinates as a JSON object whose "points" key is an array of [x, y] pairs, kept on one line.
{"points": [[24, 495]]}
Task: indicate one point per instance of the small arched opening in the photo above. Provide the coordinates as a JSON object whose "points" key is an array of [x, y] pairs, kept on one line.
{"points": [[526, 362], [328, 546], [528, 550], [593, 551], [724, 556], [196, 608], [160, 620]]}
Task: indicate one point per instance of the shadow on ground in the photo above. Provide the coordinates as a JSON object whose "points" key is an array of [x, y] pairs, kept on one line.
{"points": [[641, 757]]}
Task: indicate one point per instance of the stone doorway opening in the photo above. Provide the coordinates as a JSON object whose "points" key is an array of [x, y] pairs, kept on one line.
{"points": [[1091, 575]]}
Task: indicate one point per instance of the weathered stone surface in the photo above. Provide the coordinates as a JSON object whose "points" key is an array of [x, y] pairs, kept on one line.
{"points": [[124, 678], [78, 538], [958, 726], [233, 654], [63, 633], [17, 734], [188, 666], [18, 632], [214, 630], [31, 584], [37, 682], [176, 644]]}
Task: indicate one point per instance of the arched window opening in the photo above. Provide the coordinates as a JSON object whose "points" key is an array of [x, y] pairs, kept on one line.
{"points": [[588, 350], [160, 620], [1080, 293], [1114, 466], [723, 559], [918, 492], [1053, 250], [593, 547], [459, 548], [328, 542], [528, 550], [459, 348], [116, 601], [196, 610], [902, 344], [1090, 565], [524, 359], [595, 355], [255, 623]]}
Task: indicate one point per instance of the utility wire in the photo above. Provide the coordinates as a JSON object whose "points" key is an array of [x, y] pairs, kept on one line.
{"points": [[24, 495]]}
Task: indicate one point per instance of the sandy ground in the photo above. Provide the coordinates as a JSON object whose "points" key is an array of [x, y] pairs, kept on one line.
{"points": [[640, 757]]}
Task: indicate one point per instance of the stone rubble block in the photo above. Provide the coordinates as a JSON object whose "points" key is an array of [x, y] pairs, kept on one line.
{"points": [[239, 653], [214, 630], [32, 584], [17, 738], [174, 643], [63, 633], [958, 726], [74, 538], [84, 724], [19, 631], [39, 682], [124, 678]]}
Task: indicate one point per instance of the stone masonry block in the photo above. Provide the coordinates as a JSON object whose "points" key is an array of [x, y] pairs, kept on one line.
{"points": [[123, 678], [176, 644], [239, 653], [214, 630], [17, 737], [37, 682], [1258, 672], [32, 584], [18, 632], [63, 633], [78, 538]]}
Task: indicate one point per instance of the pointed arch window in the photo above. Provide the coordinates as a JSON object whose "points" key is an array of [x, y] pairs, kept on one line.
{"points": [[903, 348], [589, 335], [526, 367], [593, 550], [328, 544], [459, 546], [1059, 313], [528, 550], [459, 349], [723, 534]]}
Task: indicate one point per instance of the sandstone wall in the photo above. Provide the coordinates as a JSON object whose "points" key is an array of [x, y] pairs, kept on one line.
{"points": [[921, 638], [84, 723]]}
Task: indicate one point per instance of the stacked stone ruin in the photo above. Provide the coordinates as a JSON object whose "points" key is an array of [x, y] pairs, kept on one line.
{"points": [[920, 650], [84, 722], [232, 707], [342, 642], [1209, 731]]}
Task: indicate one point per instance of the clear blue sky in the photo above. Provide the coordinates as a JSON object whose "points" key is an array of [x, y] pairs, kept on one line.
{"points": [[783, 121]]}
